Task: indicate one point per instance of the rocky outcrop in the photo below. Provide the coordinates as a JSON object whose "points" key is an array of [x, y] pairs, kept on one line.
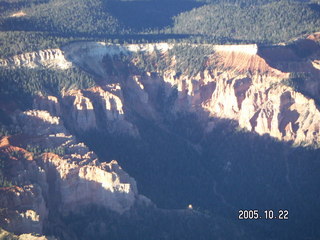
{"points": [[240, 82], [89, 55], [90, 109], [7, 235], [262, 105], [61, 175], [50, 58], [245, 88], [23, 209], [48, 103], [244, 83], [80, 111], [32, 237], [242, 87], [54, 174], [80, 185], [112, 117], [77, 173]]}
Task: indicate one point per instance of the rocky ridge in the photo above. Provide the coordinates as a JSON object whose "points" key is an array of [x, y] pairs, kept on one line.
{"points": [[90, 109], [49, 58], [246, 84], [56, 174]]}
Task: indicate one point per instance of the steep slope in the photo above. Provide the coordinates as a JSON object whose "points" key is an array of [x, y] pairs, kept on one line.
{"points": [[56, 175], [237, 83], [171, 116], [241, 85], [50, 58]]}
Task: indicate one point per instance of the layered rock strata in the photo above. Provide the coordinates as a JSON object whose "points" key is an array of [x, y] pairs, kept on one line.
{"points": [[56, 173]]}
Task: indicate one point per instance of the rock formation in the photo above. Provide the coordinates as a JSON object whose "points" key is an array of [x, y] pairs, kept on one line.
{"points": [[91, 109], [7, 235], [56, 173], [246, 84], [50, 58], [25, 209], [243, 83]]}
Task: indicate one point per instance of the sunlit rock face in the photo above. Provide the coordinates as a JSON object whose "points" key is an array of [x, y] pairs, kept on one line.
{"points": [[79, 178], [275, 110], [49, 103], [64, 179], [96, 108], [80, 111], [49, 58], [240, 82], [82, 184], [240, 85]]}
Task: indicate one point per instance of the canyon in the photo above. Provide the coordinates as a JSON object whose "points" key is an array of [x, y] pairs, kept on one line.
{"points": [[243, 84]]}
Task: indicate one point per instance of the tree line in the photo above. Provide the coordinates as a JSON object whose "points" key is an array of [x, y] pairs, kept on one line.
{"points": [[267, 23], [22, 84]]}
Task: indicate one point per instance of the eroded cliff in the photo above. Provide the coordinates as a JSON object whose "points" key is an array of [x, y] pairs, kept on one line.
{"points": [[239, 82], [56, 175], [49, 58], [243, 83]]}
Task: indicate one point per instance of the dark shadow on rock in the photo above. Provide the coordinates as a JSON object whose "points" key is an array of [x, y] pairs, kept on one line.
{"points": [[295, 59]]}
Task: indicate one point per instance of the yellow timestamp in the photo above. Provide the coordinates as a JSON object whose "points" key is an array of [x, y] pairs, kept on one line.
{"points": [[266, 214]]}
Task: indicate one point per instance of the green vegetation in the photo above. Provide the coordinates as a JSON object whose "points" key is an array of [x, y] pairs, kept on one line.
{"points": [[173, 162], [240, 2], [17, 42], [148, 223], [270, 23], [300, 81], [22, 84], [37, 150], [184, 58], [190, 59], [297, 80], [55, 22], [52, 23], [6, 125], [64, 17], [7, 7], [6, 130], [4, 182], [154, 62], [148, 16]]}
